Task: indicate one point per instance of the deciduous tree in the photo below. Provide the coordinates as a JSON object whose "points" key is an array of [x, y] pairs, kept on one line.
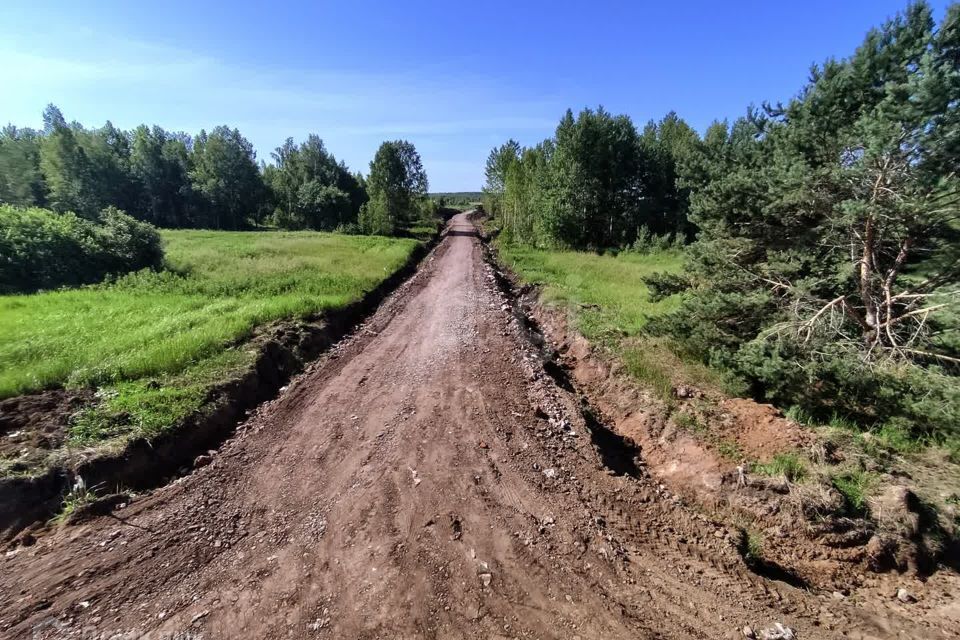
{"points": [[225, 174]]}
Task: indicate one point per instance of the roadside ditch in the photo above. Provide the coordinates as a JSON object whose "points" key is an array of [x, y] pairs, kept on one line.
{"points": [[29, 501]]}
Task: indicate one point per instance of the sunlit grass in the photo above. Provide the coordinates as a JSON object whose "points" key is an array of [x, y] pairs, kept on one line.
{"points": [[605, 294], [787, 465], [606, 299], [221, 287]]}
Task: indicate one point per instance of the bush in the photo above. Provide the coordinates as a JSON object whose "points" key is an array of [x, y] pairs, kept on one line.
{"points": [[375, 218], [649, 242], [901, 400], [40, 249]]}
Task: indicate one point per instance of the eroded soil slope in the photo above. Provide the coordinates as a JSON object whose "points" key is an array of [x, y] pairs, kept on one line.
{"points": [[425, 479]]}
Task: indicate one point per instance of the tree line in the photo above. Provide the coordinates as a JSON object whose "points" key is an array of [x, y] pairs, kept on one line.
{"points": [[825, 258], [211, 180], [597, 183]]}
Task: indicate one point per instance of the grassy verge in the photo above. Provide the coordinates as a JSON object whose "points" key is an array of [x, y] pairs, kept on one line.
{"points": [[604, 294], [606, 300], [153, 344]]}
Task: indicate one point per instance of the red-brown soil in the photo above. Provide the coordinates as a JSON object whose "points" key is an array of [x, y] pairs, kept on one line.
{"points": [[33, 423], [760, 430], [426, 478]]}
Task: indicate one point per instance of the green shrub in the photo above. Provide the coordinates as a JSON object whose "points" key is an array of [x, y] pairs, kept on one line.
{"points": [[899, 400], [953, 450], [752, 547], [40, 249]]}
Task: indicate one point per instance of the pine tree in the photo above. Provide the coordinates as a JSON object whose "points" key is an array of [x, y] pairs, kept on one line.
{"points": [[828, 233]]}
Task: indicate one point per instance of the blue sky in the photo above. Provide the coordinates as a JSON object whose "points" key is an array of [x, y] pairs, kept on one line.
{"points": [[455, 78]]}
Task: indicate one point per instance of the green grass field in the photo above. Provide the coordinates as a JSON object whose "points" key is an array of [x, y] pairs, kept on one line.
{"points": [[607, 301], [605, 294], [154, 342]]}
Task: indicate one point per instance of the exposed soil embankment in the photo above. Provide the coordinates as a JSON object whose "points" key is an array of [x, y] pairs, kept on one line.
{"points": [[40, 422], [702, 446]]}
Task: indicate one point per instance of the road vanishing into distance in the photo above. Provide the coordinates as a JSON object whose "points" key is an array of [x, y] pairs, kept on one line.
{"points": [[425, 478]]}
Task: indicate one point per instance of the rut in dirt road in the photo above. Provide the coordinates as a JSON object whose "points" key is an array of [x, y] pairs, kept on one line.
{"points": [[424, 479]]}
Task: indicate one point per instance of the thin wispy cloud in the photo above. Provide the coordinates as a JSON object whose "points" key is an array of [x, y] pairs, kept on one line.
{"points": [[352, 110]]}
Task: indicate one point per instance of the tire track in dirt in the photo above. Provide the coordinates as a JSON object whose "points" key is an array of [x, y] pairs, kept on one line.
{"points": [[427, 479]]}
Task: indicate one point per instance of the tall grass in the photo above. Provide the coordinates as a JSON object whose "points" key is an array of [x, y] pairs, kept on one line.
{"points": [[604, 294], [607, 300], [219, 287]]}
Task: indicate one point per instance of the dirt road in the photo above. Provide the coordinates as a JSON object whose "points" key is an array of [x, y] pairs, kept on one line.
{"points": [[424, 479]]}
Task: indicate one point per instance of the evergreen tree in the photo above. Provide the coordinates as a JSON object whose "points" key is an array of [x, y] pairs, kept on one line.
{"points": [[828, 232]]}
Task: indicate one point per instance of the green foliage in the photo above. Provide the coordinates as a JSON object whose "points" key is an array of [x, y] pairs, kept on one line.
{"points": [[397, 185], [665, 146], [67, 170], [78, 497], [787, 465], [828, 242], [377, 217], [221, 286], [855, 487], [40, 249], [225, 175], [160, 163], [752, 547], [499, 163], [799, 415], [427, 217], [311, 189], [664, 284], [648, 242], [596, 183], [21, 182], [457, 199], [952, 447], [175, 180]]}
